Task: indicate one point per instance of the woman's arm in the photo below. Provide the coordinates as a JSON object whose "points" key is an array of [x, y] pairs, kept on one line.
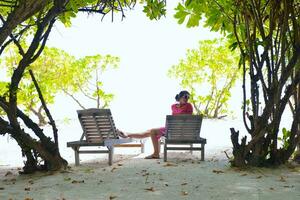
{"points": [[189, 109]]}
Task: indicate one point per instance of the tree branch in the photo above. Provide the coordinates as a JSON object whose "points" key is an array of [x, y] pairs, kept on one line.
{"points": [[223, 10], [28, 122], [72, 96], [97, 89], [19, 14], [91, 10], [52, 122], [44, 37], [4, 126], [244, 74], [84, 93]]}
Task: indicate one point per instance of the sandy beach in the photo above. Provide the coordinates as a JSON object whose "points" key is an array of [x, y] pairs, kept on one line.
{"points": [[133, 177]]}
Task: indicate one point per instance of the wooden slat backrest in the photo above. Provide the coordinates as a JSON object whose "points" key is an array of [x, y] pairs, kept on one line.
{"points": [[97, 124], [183, 127]]}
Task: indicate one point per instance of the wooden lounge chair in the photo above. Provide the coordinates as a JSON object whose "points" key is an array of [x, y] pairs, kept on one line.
{"points": [[183, 130], [99, 130]]}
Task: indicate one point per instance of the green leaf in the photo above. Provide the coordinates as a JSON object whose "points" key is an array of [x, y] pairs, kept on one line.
{"points": [[208, 67], [155, 9]]}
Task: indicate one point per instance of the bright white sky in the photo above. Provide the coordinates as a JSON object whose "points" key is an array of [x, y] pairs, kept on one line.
{"points": [[143, 92]]}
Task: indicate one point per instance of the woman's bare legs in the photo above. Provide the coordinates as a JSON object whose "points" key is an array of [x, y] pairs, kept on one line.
{"points": [[150, 133], [139, 135], [155, 142]]}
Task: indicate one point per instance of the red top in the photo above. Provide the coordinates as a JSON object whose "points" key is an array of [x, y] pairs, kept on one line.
{"points": [[178, 109]]}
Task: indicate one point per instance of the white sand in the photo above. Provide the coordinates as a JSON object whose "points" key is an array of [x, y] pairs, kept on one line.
{"points": [[132, 177]]}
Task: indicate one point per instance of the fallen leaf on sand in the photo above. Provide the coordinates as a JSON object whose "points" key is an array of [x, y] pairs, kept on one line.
{"points": [[244, 174], [145, 174], [288, 186], [282, 179], [151, 189], [8, 173], [258, 177], [113, 169], [2, 188], [112, 197], [217, 171], [74, 181], [184, 193], [184, 183], [170, 165], [27, 189]]}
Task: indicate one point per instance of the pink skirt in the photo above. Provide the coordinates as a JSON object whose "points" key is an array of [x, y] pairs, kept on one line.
{"points": [[162, 132]]}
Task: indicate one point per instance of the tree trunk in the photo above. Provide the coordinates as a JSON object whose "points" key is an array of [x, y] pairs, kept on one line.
{"points": [[32, 149], [238, 149], [273, 74]]}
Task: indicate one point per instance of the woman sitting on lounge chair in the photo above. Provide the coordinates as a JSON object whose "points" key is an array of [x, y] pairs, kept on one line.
{"points": [[182, 107]]}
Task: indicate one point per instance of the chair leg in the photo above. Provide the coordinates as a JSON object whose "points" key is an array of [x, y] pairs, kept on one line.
{"points": [[202, 151], [191, 151], [165, 152], [76, 149], [110, 155], [142, 146]]}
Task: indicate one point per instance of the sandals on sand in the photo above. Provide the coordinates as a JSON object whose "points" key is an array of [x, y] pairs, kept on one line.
{"points": [[152, 157]]}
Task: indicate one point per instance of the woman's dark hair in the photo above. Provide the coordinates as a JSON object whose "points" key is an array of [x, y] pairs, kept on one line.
{"points": [[183, 93]]}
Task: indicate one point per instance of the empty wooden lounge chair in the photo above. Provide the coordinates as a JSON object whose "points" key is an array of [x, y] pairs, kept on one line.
{"points": [[99, 130], [183, 130]]}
